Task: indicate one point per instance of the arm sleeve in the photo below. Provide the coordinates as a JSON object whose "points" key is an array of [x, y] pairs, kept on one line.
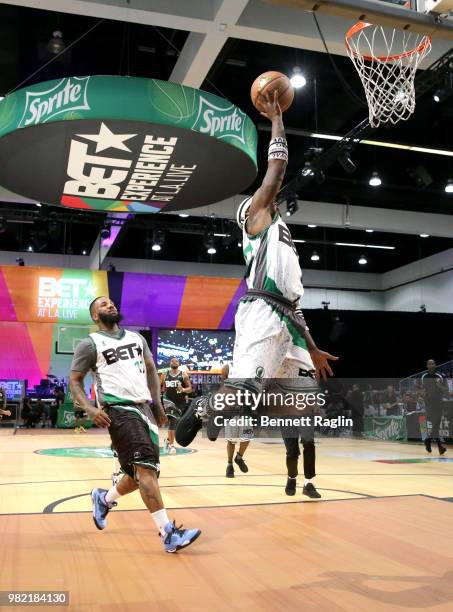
{"points": [[84, 358], [146, 350]]}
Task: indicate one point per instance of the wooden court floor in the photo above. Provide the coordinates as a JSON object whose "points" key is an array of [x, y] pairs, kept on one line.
{"points": [[379, 539]]}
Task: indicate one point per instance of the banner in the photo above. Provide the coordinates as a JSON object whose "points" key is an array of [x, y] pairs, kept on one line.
{"points": [[385, 428], [52, 295]]}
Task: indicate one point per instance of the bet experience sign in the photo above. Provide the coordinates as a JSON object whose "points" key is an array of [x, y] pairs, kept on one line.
{"points": [[124, 144]]}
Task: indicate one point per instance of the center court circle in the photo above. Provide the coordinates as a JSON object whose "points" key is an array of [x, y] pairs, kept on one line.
{"points": [[98, 452]]}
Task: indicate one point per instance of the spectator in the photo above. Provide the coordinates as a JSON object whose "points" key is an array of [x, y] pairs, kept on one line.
{"points": [[410, 402], [356, 404], [26, 411], [3, 409], [390, 401]]}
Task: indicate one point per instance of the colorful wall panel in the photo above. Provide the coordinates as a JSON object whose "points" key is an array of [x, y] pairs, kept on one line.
{"points": [[55, 295], [35, 302]]}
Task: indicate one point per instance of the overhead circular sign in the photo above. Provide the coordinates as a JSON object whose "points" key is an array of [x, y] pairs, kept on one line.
{"points": [[124, 144]]}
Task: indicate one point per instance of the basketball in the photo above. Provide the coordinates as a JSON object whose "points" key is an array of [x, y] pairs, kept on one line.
{"points": [[269, 82]]}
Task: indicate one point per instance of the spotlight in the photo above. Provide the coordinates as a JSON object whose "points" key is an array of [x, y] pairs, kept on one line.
{"points": [[297, 79], [84, 252], [445, 90], [209, 243], [158, 240], [20, 261], [369, 231], [375, 180], [30, 248], [56, 44], [38, 204], [240, 245], [345, 161], [292, 205], [362, 260], [424, 235], [449, 186], [311, 225], [105, 232], [325, 305], [307, 170], [315, 256], [183, 215]]}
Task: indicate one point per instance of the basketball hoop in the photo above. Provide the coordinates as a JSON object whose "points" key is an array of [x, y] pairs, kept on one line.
{"points": [[387, 77]]}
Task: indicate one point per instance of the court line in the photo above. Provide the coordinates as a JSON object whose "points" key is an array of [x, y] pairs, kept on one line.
{"points": [[300, 501], [318, 475], [50, 508]]}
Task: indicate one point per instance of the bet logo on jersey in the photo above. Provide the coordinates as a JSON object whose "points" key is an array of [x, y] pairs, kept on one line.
{"points": [[123, 353]]}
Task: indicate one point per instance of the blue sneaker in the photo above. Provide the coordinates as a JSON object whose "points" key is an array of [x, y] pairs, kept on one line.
{"points": [[100, 507], [176, 538]]}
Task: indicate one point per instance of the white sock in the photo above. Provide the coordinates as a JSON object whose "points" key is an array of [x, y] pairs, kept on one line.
{"points": [[161, 519], [307, 481], [112, 495]]}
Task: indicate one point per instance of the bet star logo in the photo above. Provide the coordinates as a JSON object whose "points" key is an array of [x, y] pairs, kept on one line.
{"points": [[106, 139]]}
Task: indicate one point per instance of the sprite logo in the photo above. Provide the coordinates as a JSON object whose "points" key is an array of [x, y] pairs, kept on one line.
{"points": [[220, 121], [67, 95]]}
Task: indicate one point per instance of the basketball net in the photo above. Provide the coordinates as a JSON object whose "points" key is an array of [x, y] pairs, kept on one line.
{"points": [[387, 78]]}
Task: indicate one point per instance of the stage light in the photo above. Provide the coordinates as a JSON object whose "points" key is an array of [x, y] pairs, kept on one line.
{"points": [[105, 232], [56, 44], [209, 243], [449, 186], [362, 260], [297, 79], [292, 205], [158, 240], [315, 256], [375, 180], [345, 161], [424, 235]]}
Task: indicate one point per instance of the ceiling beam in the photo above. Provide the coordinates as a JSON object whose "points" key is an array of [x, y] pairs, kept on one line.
{"points": [[201, 50], [327, 214], [102, 246], [260, 21]]}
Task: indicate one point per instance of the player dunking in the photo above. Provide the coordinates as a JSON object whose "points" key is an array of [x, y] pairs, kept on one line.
{"points": [[125, 382], [272, 338]]}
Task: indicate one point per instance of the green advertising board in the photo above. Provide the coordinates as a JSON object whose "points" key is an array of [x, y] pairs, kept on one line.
{"points": [[385, 428]]}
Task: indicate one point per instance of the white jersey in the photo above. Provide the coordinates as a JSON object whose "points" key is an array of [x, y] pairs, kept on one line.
{"points": [[120, 374], [272, 261]]}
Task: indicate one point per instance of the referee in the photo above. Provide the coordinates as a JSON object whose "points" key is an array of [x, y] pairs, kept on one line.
{"points": [[435, 388]]}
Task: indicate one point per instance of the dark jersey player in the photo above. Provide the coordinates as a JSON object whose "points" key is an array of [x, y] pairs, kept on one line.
{"points": [[175, 387]]}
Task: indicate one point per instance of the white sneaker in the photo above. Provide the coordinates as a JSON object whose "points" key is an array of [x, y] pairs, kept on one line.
{"points": [[172, 450]]}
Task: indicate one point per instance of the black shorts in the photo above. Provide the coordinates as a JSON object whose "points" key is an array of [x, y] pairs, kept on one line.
{"points": [[173, 413], [134, 436]]}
